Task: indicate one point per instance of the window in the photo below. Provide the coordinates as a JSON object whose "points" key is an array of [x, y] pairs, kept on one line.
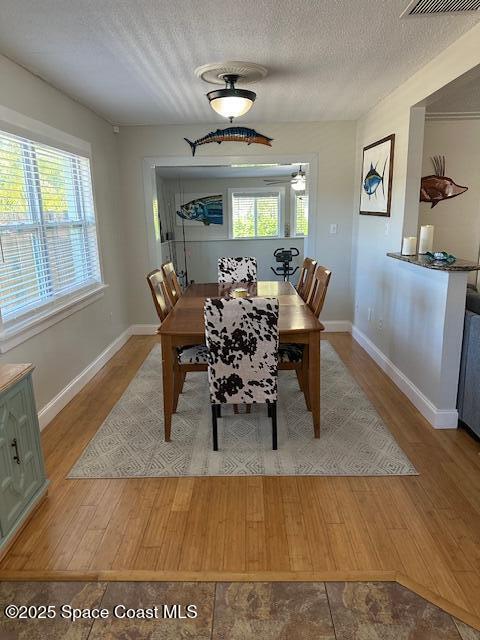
{"points": [[256, 213], [300, 215], [48, 239]]}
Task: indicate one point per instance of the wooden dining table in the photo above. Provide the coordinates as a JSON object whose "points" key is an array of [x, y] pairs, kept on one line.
{"points": [[185, 325]]}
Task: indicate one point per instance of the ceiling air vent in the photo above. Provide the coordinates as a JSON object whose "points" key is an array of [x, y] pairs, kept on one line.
{"points": [[438, 7]]}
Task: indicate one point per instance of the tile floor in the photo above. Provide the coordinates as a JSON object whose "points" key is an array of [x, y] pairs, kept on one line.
{"points": [[230, 611]]}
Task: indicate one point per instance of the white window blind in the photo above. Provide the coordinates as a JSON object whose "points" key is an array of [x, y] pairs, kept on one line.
{"points": [[48, 239], [255, 215], [301, 214]]}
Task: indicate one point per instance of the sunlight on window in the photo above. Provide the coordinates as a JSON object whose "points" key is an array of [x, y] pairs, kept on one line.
{"points": [[48, 237], [301, 215], [255, 215]]}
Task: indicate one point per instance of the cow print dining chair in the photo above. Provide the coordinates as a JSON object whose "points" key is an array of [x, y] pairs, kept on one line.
{"points": [[242, 340], [237, 270]]}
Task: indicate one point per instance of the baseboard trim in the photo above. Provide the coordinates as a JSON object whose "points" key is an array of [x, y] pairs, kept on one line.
{"points": [[337, 326], [438, 418], [56, 404], [143, 329]]}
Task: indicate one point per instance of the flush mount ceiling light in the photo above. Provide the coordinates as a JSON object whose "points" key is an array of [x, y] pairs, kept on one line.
{"points": [[231, 102]]}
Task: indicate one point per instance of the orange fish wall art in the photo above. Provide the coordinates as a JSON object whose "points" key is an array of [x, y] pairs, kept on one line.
{"points": [[438, 187]]}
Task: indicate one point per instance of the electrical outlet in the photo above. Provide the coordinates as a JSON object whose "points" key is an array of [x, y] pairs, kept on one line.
{"points": [[370, 314], [333, 229], [380, 324]]}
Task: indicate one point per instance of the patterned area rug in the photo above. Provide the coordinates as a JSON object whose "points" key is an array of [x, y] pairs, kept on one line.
{"points": [[353, 439]]}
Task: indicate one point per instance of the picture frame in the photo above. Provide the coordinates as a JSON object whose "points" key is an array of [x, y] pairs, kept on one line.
{"points": [[377, 177], [212, 214]]}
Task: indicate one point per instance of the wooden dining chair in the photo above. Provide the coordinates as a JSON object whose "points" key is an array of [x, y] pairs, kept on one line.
{"points": [[189, 358], [237, 270], [318, 292], [294, 356], [306, 278], [242, 340], [174, 291], [156, 282]]}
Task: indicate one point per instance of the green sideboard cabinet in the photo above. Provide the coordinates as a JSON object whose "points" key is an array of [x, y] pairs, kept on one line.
{"points": [[23, 482]]}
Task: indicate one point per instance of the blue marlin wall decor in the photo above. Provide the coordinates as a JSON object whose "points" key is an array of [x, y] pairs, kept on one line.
{"points": [[231, 134]]}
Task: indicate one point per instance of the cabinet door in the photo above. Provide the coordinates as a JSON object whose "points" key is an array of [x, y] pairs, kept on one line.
{"points": [[19, 437]]}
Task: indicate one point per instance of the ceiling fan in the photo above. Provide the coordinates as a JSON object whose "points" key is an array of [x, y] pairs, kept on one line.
{"points": [[297, 180]]}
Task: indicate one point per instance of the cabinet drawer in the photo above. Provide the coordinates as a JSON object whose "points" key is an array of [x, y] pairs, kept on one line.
{"points": [[21, 462]]}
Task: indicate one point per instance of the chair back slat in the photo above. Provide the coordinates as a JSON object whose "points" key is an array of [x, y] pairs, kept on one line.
{"points": [[242, 339], [305, 280], [237, 270], [320, 283], [156, 283], [174, 291]]}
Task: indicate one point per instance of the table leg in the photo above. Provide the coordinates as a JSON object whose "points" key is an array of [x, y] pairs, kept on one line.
{"points": [[304, 372], [168, 384], [314, 379]]}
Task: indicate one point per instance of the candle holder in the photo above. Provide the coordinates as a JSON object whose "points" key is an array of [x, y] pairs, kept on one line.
{"points": [[409, 247], [425, 244]]}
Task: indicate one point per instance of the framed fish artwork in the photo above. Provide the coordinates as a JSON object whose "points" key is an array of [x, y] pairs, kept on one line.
{"points": [[377, 174], [198, 209]]}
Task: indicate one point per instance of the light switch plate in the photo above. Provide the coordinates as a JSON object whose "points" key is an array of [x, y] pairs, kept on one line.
{"points": [[333, 229]]}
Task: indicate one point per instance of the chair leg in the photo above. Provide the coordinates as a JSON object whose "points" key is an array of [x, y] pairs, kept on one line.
{"points": [[214, 427], [273, 412], [219, 410], [269, 409]]}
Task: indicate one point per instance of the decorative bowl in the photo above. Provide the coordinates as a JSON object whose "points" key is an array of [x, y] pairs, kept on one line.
{"points": [[240, 292], [440, 257]]}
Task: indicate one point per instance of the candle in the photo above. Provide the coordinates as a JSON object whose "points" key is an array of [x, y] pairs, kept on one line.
{"points": [[409, 247], [426, 239]]}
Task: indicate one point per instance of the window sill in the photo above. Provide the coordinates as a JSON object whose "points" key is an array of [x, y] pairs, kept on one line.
{"points": [[18, 332]]}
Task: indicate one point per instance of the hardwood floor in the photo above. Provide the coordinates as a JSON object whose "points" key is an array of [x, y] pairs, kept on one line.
{"points": [[423, 531]]}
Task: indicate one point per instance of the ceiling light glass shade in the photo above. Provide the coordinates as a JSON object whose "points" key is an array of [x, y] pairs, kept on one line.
{"points": [[230, 106], [299, 183], [231, 102]]}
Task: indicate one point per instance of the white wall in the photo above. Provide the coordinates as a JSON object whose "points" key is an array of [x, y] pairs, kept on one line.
{"points": [[202, 256], [402, 307], [456, 221], [62, 351], [332, 141]]}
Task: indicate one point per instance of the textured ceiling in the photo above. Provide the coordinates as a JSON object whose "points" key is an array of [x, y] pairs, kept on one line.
{"points": [[133, 61]]}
